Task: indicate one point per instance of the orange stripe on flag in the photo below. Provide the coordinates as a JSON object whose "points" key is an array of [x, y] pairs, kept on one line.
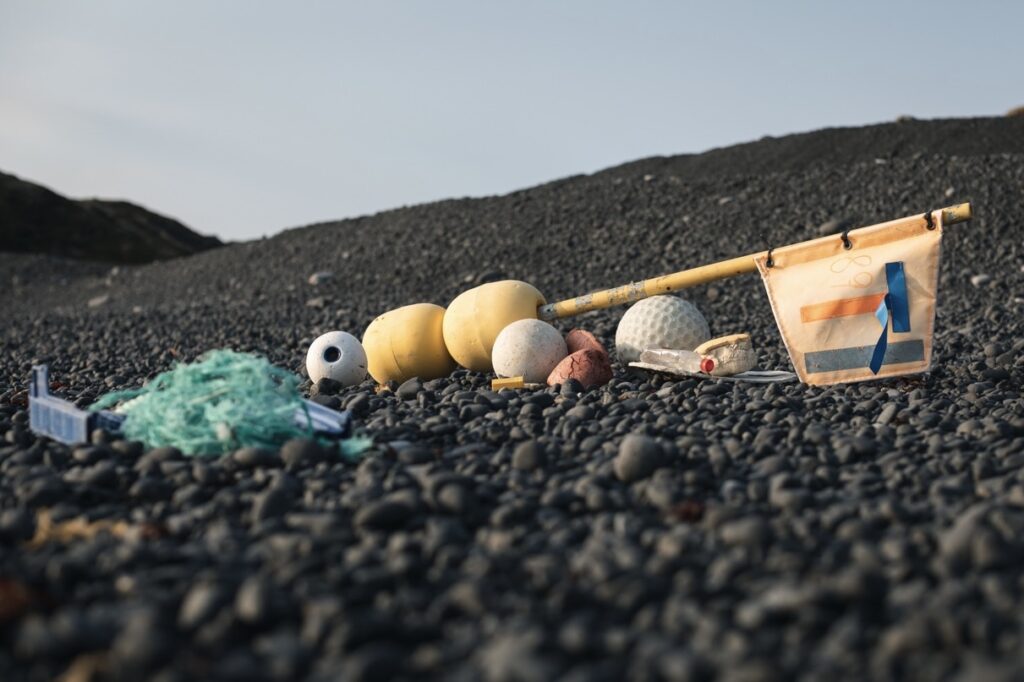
{"points": [[842, 307]]}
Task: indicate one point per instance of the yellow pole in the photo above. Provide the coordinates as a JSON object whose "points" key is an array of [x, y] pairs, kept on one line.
{"points": [[684, 279]]}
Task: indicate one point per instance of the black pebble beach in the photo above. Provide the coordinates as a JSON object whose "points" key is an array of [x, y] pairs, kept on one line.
{"points": [[651, 529]]}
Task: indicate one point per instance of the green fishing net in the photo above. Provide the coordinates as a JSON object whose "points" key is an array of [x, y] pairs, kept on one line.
{"points": [[224, 401]]}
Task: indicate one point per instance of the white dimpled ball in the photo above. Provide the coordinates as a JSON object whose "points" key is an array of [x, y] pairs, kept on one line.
{"points": [[660, 322], [338, 356], [528, 348]]}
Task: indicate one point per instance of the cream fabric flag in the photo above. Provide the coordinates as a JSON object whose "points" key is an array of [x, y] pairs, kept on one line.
{"points": [[858, 309]]}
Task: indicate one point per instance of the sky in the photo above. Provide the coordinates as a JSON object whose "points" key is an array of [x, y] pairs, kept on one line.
{"points": [[242, 118]]}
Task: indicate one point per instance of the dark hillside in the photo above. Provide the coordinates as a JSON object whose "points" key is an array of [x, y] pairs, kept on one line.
{"points": [[34, 219]]}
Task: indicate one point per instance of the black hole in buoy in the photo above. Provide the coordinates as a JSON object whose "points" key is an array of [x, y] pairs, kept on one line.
{"points": [[331, 354]]}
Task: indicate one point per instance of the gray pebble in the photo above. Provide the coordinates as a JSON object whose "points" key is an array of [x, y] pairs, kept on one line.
{"points": [[271, 504], [529, 455], [255, 457], [383, 515], [301, 452], [639, 456], [253, 601], [409, 389], [200, 603]]}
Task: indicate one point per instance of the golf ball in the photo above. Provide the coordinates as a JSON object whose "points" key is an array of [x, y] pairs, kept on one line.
{"points": [[528, 348], [338, 356], [660, 322]]}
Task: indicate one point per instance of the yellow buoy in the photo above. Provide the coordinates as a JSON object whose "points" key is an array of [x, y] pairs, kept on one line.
{"points": [[407, 342], [476, 317]]}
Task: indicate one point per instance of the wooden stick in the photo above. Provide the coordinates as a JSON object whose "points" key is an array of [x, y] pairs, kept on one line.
{"points": [[684, 279]]}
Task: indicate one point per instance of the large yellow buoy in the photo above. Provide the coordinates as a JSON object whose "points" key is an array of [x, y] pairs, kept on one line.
{"points": [[476, 317], [407, 342]]}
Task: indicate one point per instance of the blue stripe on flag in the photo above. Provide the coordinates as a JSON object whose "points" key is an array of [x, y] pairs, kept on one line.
{"points": [[895, 302], [856, 357], [898, 300]]}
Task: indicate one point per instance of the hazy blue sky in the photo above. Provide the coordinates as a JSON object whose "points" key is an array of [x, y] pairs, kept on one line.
{"points": [[242, 118]]}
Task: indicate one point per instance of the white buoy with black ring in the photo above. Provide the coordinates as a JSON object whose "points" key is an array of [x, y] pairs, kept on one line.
{"points": [[338, 356]]}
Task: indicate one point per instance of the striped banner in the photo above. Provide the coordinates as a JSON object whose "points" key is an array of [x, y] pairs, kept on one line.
{"points": [[861, 309]]}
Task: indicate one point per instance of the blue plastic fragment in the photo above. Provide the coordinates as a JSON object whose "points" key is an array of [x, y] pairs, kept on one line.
{"points": [[59, 419], [324, 420]]}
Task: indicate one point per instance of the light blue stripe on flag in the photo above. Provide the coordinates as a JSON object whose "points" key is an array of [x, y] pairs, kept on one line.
{"points": [[856, 357]]}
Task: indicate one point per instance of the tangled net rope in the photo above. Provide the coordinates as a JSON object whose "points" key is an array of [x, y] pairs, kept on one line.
{"points": [[224, 401]]}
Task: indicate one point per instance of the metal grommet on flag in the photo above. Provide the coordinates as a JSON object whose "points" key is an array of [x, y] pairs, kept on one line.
{"points": [[929, 219], [847, 244], [769, 262]]}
